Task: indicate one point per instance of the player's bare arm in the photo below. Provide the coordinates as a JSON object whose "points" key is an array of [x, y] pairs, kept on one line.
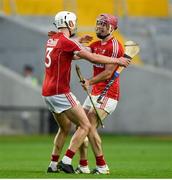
{"points": [[96, 58], [75, 57], [84, 39], [103, 76]]}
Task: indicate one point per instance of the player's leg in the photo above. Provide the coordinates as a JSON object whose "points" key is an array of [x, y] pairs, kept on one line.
{"points": [[64, 128], [108, 106], [76, 115], [83, 162], [83, 148], [83, 153], [101, 166], [93, 134], [67, 108], [96, 143]]}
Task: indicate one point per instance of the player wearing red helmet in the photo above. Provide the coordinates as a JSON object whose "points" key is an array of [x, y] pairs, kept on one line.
{"points": [[109, 46], [106, 20]]}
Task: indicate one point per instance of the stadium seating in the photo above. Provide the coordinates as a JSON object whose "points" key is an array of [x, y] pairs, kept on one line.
{"points": [[87, 10]]}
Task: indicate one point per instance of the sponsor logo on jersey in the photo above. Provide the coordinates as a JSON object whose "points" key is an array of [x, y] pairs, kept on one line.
{"points": [[99, 51]]}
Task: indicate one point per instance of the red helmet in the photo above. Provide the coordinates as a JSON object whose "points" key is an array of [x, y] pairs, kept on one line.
{"points": [[109, 20]]}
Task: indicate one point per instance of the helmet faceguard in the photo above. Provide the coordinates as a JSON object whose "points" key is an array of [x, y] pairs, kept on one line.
{"points": [[105, 25], [66, 19]]}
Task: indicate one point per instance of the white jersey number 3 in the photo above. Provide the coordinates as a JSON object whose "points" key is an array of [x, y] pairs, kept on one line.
{"points": [[48, 63]]}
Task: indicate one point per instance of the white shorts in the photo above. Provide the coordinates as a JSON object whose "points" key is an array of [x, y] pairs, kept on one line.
{"points": [[108, 105], [61, 102]]}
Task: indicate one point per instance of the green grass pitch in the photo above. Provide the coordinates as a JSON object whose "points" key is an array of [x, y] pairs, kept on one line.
{"points": [[127, 157]]}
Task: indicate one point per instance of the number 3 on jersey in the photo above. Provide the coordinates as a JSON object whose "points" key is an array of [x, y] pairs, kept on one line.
{"points": [[48, 58]]}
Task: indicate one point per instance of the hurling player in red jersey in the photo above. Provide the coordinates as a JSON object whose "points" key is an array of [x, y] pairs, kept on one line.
{"points": [[56, 92], [109, 46]]}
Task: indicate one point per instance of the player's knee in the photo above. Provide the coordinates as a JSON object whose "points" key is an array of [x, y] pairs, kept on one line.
{"points": [[92, 118], [87, 127]]}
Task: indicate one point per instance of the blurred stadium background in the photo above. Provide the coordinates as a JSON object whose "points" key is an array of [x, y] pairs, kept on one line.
{"points": [[146, 86]]}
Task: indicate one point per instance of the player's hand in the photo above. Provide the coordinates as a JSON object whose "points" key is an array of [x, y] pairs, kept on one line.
{"points": [[122, 61], [51, 33], [85, 84], [85, 39]]}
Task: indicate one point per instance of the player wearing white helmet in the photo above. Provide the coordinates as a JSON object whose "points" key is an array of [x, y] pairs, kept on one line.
{"points": [[66, 19], [56, 92]]}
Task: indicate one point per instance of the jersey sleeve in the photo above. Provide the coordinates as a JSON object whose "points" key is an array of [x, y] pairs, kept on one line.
{"points": [[117, 50], [120, 50], [72, 46]]}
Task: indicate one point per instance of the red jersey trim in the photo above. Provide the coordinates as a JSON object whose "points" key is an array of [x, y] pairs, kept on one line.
{"points": [[115, 48], [70, 99], [105, 100]]}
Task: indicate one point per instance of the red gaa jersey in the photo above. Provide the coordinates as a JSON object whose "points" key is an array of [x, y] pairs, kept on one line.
{"points": [[111, 48], [59, 53]]}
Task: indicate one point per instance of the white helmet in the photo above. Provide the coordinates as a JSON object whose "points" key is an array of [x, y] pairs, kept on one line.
{"points": [[66, 19]]}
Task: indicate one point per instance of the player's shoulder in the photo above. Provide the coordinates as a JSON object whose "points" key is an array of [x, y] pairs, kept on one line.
{"points": [[117, 43], [72, 41], [61, 36], [95, 43], [56, 35], [115, 47], [67, 42]]}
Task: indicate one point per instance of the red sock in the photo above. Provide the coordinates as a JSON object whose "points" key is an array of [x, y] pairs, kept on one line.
{"points": [[83, 162], [70, 153], [54, 157], [100, 161]]}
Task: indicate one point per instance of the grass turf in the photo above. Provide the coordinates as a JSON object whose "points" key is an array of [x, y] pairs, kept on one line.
{"points": [[127, 157]]}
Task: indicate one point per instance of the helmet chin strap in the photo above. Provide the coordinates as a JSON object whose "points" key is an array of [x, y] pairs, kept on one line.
{"points": [[68, 27], [70, 34]]}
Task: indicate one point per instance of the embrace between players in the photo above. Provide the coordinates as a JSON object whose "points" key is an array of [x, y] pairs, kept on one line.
{"points": [[106, 55]]}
